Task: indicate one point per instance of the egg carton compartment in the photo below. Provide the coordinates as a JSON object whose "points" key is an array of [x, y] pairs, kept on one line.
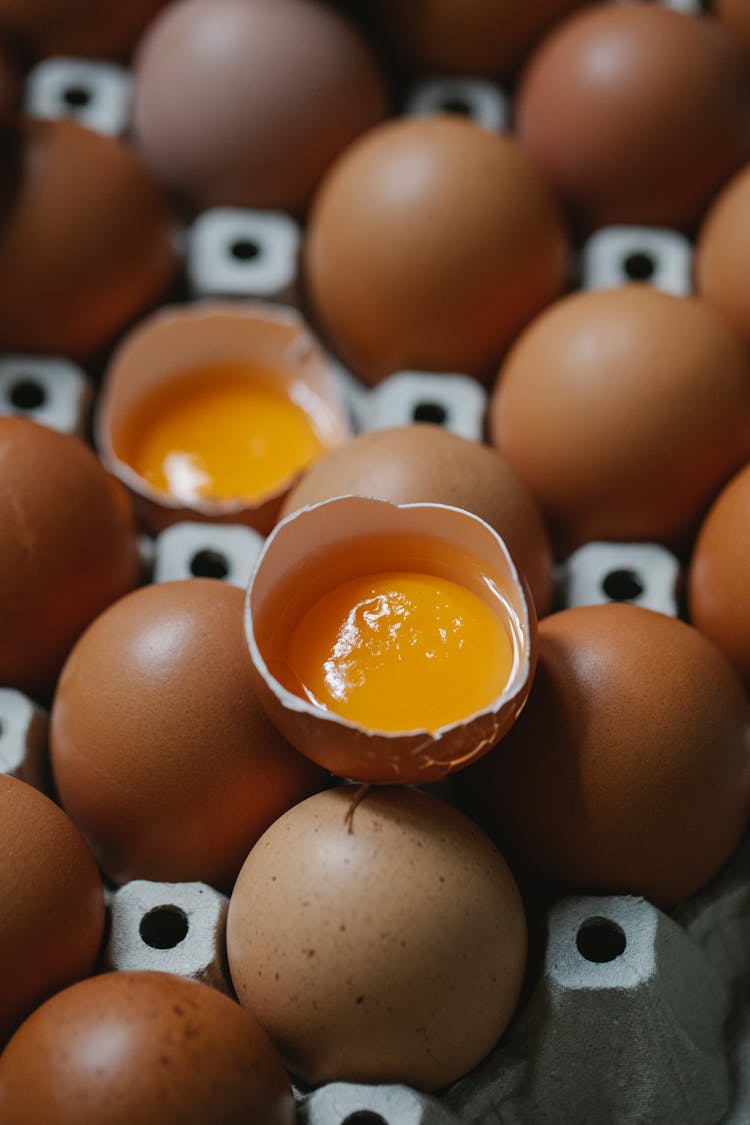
{"points": [[482, 101], [618, 255], [47, 389], [235, 252], [644, 574], [24, 732], [198, 550], [96, 94]]}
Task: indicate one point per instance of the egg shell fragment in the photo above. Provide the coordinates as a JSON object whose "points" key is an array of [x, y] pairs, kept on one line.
{"points": [[389, 951], [462, 546]]}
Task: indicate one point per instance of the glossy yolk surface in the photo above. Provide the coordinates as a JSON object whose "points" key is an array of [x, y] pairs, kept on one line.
{"points": [[219, 435], [400, 651]]}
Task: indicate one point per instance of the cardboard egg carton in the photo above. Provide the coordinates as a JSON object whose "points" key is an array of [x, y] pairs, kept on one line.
{"points": [[634, 1017]]}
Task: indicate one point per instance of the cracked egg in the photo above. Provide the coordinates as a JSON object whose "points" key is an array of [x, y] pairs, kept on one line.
{"points": [[212, 411], [390, 643]]}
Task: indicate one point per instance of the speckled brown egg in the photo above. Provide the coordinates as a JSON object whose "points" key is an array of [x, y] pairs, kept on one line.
{"points": [[624, 411], [403, 955], [427, 463], [52, 921], [431, 243], [160, 752], [717, 579], [722, 254], [247, 102], [100, 28], [68, 548], [140, 1048], [484, 37], [86, 238], [629, 770], [636, 112]]}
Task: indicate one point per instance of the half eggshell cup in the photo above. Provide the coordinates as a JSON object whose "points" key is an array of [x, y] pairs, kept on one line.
{"points": [[163, 348], [323, 545]]}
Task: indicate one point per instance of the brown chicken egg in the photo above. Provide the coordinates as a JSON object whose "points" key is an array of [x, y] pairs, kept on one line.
{"points": [[142, 1047], [389, 643], [86, 238], [160, 752], [77, 27], [428, 463], [624, 411], [629, 770], [483, 37], [736, 15], [246, 102], [52, 921], [722, 253], [68, 548], [431, 243], [403, 957], [637, 113], [717, 579]]}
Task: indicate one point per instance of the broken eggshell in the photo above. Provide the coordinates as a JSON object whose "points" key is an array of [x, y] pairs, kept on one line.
{"points": [[163, 350], [294, 569]]}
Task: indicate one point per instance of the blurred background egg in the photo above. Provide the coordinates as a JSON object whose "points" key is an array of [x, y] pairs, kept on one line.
{"points": [[722, 253], [403, 958], [629, 770], [637, 113], [431, 243], [624, 411], [68, 548], [142, 1047], [98, 28], [160, 752], [482, 37], [9, 84], [717, 579], [736, 15], [247, 102], [52, 923], [86, 239], [407, 464]]}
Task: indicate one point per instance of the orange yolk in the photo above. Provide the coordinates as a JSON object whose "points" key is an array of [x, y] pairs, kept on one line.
{"points": [[400, 651], [219, 435]]}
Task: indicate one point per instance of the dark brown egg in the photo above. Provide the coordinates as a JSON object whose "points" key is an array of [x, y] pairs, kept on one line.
{"points": [[624, 411], [637, 113], [9, 84], [485, 37], [385, 948], [431, 243], [722, 257], [52, 921], [736, 15], [629, 770], [86, 239], [68, 548], [246, 102], [160, 752], [717, 580], [426, 463], [141, 1048], [77, 27]]}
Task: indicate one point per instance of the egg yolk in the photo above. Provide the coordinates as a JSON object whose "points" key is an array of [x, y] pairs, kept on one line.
{"points": [[399, 651], [218, 434]]}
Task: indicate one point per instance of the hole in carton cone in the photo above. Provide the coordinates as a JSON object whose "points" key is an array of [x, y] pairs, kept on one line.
{"points": [[600, 940], [76, 96], [430, 412], [209, 564], [164, 927], [456, 105], [622, 585], [27, 394], [244, 249], [639, 266], [364, 1117]]}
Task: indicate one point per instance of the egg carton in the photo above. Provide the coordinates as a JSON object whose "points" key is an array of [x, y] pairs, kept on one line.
{"points": [[635, 1016]]}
